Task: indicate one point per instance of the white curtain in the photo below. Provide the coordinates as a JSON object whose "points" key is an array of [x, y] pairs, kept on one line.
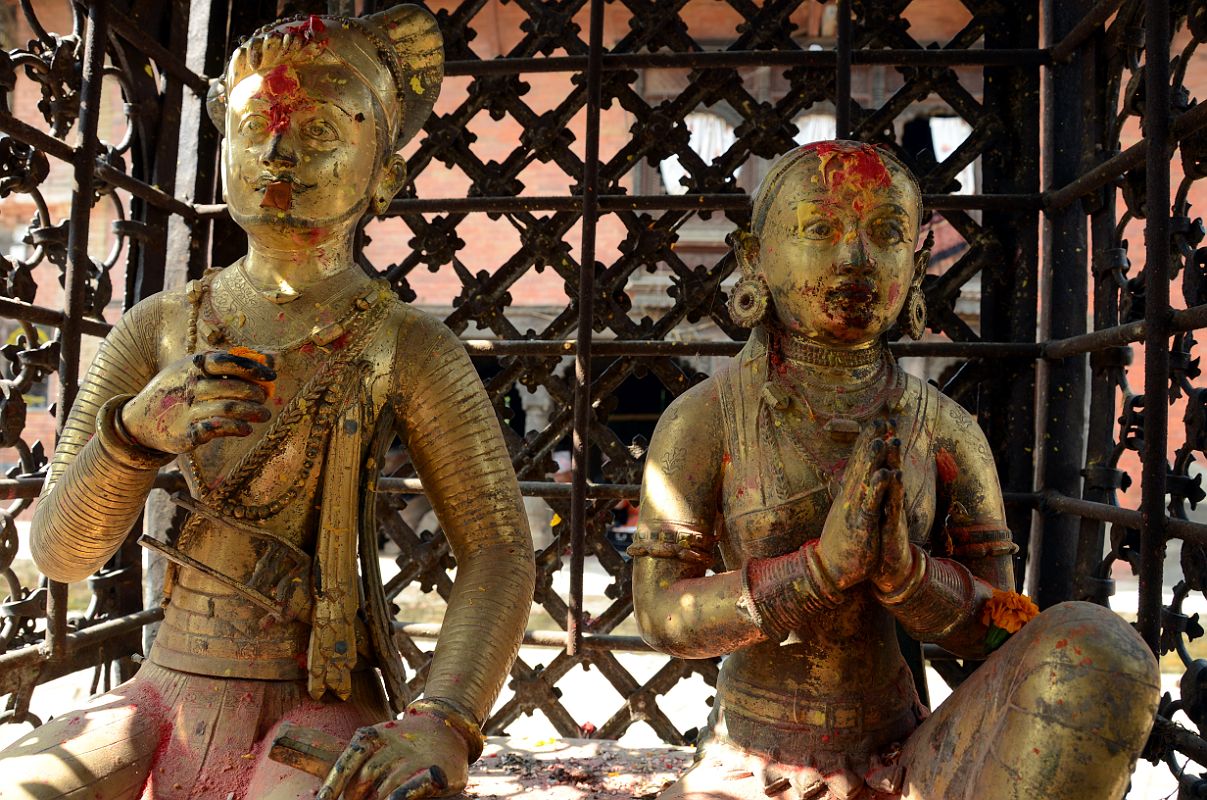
{"points": [[948, 133], [815, 128], [711, 136]]}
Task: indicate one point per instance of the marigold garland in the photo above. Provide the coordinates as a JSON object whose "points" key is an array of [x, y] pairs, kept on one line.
{"points": [[1005, 614]]}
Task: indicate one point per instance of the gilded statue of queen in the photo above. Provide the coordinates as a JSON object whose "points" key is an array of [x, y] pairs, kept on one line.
{"points": [[276, 384], [846, 497]]}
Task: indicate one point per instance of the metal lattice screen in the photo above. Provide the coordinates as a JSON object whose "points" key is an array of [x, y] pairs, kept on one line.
{"points": [[572, 176]]}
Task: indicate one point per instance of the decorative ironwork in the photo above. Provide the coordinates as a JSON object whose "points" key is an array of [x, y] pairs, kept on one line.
{"points": [[155, 188]]}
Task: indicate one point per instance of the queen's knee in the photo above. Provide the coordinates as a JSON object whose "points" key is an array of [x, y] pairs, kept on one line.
{"points": [[1086, 667]]}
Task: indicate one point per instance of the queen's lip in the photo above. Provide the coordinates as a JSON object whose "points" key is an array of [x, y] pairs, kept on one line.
{"points": [[854, 292]]}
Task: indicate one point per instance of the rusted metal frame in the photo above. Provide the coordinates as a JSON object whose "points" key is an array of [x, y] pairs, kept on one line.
{"points": [[78, 264], [1130, 159], [1090, 24], [1156, 124], [1061, 385], [842, 74], [172, 66], [580, 447], [735, 59], [86, 648]]}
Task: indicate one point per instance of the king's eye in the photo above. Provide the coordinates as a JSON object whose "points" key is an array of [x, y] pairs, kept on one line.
{"points": [[320, 131], [254, 124]]}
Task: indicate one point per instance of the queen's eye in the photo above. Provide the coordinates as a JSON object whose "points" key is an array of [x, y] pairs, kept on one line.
{"points": [[887, 231], [820, 229]]}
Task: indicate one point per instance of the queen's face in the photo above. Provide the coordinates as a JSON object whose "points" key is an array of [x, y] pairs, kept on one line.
{"points": [[300, 156], [837, 245]]}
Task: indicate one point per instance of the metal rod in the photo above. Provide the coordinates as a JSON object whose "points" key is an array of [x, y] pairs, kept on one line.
{"points": [[653, 348], [546, 489], [1063, 50], [684, 202], [78, 263], [1157, 321], [40, 315], [1063, 504], [580, 446], [87, 645], [734, 59], [144, 191], [842, 73], [1131, 158], [553, 639], [27, 134], [148, 46]]}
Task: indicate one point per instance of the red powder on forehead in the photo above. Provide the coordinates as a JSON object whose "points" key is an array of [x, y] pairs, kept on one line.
{"points": [[851, 172], [284, 95]]}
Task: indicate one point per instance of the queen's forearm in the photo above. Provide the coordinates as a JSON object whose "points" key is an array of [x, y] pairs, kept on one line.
{"points": [[940, 602], [691, 617]]}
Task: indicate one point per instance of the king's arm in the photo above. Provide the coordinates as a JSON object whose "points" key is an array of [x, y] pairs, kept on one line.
{"points": [[970, 556], [452, 434], [99, 478]]}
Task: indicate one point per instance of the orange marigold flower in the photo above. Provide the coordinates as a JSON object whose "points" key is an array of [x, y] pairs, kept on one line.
{"points": [[259, 358], [1009, 611]]}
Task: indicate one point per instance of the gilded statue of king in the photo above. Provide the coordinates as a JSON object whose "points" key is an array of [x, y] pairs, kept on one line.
{"points": [[847, 498], [276, 384]]}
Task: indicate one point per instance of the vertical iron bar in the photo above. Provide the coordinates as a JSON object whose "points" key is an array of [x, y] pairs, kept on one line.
{"points": [[1100, 437], [842, 77], [77, 269], [1069, 147], [1006, 407], [1156, 319], [586, 321]]}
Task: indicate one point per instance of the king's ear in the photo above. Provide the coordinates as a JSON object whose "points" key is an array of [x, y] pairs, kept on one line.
{"points": [[215, 104], [394, 175]]}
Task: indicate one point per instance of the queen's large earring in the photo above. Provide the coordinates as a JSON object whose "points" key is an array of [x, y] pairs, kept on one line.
{"points": [[396, 176], [750, 297], [913, 316]]}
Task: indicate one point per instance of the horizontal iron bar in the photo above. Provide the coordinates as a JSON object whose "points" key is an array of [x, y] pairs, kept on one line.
{"points": [[1062, 504], [85, 648], [730, 59], [40, 315], [1063, 50], [1130, 159], [145, 191], [546, 489], [1181, 320], [645, 348], [597, 641], [28, 134], [148, 46], [669, 202]]}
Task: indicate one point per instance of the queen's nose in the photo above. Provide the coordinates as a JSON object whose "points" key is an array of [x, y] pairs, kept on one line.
{"points": [[855, 259]]}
